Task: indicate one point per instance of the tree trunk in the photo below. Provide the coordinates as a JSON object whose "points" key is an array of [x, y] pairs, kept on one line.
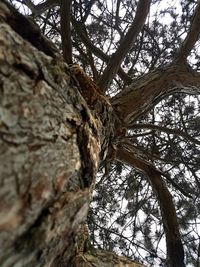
{"points": [[49, 154], [50, 142]]}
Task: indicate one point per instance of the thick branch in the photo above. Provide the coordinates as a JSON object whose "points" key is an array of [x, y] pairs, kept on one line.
{"points": [[98, 52], [151, 156], [125, 45], [65, 14], [164, 129], [175, 250], [191, 37], [151, 88]]}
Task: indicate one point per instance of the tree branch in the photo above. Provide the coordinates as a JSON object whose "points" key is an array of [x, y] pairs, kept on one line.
{"points": [[192, 36], [144, 154], [149, 89], [65, 14], [98, 52], [40, 8], [175, 250], [164, 129], [125, 45]]}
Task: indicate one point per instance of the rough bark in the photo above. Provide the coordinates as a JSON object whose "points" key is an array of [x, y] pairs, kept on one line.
{"points": [[50, 147], [101, 258]]}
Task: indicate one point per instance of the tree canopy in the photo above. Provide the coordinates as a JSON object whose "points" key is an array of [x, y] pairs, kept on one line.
{"points": [[145, 56]]}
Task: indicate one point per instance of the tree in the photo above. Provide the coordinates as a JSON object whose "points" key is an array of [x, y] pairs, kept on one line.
{"points": [[134, 117]]}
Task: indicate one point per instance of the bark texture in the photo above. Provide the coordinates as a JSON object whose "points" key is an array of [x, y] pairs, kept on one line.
{"points": [[50, 144], [104, 258], [49, 154]]}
